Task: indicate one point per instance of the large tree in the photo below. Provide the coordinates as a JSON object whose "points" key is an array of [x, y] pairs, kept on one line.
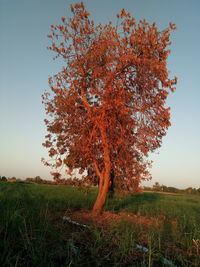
{"points": [[107, 106]]}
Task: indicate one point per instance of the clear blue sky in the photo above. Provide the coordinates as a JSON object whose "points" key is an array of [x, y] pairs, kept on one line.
{"points": [[26, 64]]}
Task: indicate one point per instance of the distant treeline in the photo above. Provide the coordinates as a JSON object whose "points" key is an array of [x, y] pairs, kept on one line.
{"points": [[39, 180], [77, 182], [170, 189]]}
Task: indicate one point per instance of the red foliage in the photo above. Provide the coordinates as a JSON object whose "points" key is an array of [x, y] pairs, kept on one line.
{"points": [[107, 107]]}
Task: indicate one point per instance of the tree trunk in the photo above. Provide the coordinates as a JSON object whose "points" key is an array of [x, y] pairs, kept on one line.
{"points": [[102, 194], [104, 176]]}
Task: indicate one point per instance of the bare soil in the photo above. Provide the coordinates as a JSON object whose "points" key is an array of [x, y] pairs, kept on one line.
{"points": [[107, 218]]}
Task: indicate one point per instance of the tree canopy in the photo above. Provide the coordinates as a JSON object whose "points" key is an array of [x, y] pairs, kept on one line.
{"points": [[106, 110]]}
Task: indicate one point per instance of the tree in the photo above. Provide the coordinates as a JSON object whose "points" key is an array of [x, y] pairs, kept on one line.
{"points": [[3, 179], [107, 108], [157, 186], [38, 179]]}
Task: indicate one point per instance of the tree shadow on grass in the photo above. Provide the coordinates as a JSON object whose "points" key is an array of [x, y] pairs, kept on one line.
{"points": [[134, 202]]}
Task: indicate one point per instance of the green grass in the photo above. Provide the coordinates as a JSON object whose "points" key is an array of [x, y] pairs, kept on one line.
{"points": [[32, 232]]}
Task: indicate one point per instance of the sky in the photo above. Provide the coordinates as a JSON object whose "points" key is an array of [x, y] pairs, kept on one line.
{"points": [[26, 64]]}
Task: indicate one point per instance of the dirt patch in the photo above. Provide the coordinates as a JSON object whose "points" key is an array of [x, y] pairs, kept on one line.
{"points": [[108, 218]]}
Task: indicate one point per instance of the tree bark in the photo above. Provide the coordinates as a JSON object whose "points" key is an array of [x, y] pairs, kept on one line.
{"points": [[104, 178], [102, 194]]}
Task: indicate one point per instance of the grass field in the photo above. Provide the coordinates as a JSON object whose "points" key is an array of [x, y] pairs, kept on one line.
{"points": [[165, 230]]}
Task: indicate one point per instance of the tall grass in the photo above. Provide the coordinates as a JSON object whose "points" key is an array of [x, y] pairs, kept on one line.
{"points": [[178, 238], [32, 232], [26, 235]]}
